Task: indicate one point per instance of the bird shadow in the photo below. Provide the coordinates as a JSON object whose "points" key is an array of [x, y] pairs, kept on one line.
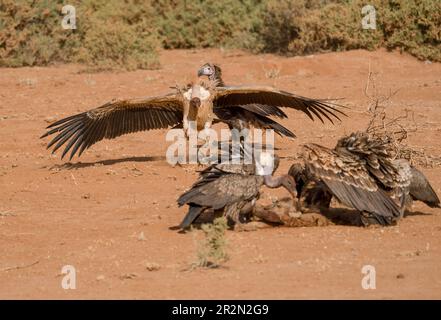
{"points": [[342, 216], [312, 218], [416, 213], [108, 162], [350, 217]]}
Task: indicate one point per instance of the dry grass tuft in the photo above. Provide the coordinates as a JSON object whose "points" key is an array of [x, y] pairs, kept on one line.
{"points": [[212, 252]]}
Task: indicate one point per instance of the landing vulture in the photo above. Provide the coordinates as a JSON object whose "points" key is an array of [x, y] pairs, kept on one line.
{"points": [[202, 101], [229, 189], [361, 172]]}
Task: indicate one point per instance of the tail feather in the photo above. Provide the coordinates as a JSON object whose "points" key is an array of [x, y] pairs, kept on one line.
{"points": [[191, 216]]}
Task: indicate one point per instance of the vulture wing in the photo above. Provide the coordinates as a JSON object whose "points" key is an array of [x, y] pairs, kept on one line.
{"points": [[257, 118], [348, 179], [378, 154], [268, 96], [114, 119], [218, 190]]}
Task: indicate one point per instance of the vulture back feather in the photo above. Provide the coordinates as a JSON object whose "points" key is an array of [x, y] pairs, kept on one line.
{"points": [[348, 178]]}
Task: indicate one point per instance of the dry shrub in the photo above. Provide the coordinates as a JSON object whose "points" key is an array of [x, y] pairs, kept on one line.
{"points": [[212, 251], [395, 129]]}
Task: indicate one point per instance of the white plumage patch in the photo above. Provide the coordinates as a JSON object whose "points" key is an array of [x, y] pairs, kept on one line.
{"points": [[204, 94], [197, 92], [265, 164], [187, 94]]}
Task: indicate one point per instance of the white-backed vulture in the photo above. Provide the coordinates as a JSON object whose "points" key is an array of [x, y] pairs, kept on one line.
{"points": [[231, 190]]}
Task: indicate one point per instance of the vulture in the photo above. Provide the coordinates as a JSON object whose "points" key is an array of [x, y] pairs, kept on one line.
{"points": [[231, 190], [202, 101], [361, 172]]}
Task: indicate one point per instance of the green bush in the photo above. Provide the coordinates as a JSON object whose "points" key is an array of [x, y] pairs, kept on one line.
{"points": [[109, 34], [126, 33], [312, 26], [208, 23]]}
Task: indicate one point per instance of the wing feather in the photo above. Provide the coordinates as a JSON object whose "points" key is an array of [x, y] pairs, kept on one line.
{"points": [[112, 120], [242, 95], [348, 180]]}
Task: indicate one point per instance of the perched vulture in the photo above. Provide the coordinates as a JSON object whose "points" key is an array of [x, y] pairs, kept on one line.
{"points": [[202, 101], [229, 189], [360, 172]]}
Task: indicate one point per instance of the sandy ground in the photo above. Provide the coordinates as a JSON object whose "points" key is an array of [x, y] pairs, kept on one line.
{"points": [[108, 214]]}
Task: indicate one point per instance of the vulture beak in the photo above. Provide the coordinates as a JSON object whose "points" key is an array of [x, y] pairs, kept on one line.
{"points": [[195, 102], [205, 70]]}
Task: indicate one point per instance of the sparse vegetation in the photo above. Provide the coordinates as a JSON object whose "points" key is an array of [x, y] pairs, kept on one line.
{"points": [[395, 129], [126, 34], [212, 251]]}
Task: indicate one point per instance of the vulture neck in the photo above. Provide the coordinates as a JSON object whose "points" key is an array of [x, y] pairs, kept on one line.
{"points": [[217, 78], [273, 182], [276, 182]]}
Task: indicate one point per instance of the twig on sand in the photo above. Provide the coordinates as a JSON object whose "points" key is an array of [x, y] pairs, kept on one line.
{"points": [[7, 213], [20, 267]]}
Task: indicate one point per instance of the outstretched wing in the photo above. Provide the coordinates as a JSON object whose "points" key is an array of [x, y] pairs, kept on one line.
{"points": [[114, 119], [348, 179], [268, 96]]}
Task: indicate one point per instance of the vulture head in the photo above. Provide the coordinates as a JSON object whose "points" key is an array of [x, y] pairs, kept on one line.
{"points": [[210, 70], [297, 172], [290, 185], [266, 166]]}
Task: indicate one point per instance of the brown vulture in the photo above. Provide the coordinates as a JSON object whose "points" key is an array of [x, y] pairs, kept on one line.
{"points": [[231, 190], [202, 101], [361, 172]]}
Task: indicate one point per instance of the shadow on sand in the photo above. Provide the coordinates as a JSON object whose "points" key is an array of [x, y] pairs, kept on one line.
{"points": [[109, 162]]}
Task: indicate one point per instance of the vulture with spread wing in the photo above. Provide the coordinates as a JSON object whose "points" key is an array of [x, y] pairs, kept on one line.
{"points": [[360, 172], [202, 102], [231, 190]]}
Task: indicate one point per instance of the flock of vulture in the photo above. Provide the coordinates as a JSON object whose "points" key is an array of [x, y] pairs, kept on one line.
{"points": [[361, 171]]}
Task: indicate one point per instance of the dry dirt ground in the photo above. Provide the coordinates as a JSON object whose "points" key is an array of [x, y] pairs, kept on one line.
{"points": [[108, 213]]}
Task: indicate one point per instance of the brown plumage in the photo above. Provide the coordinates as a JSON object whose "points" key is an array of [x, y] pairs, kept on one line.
{"points": [[230, 190], [361, 172], [202, 101], [268, 98], [419, 187]]}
